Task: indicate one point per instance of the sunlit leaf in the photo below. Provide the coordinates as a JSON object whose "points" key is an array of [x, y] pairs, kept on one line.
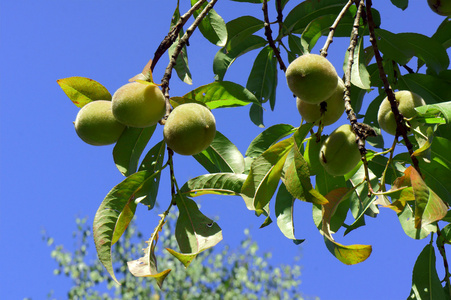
{"points": [[334, 198], [181, 65], [218, 94], [219, 183], [240, 29], [349, 255], [407, 220], [114, 215], [129, 147], [425, 281], [194, 231], [185, 259], [221, 156], [432, 89], [393, 46], [359, 74], [267, 138], [284, 212], [82, 90], [212, 27]]}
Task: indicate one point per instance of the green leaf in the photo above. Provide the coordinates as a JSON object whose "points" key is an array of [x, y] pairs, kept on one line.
{"points": [[443, 33], [219, 184], [240, 29], [402, 4], [264, 176], [248, 1], [267, 138], [427, 49], [218, 94], [349, 255], [212, 27], [433, 89], [146, 266], [153, 162], [298, 46], [284, 209], [425, 281], [394, 46], [256, 114], [194, 231], [301, 15], [185, 259], [224, 58], [181, 65], [129, 147], [359, 74], [262, 81], [114, 215], [442, 109], [311, 155], [82, 90], [221, 156], [407, 220]]}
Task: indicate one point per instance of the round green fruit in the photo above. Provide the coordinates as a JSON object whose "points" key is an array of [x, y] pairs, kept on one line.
{"points": [[139, 104], [340, 153], [312, 78], [189, 129], [407, 101], [96, 125], [334, 107], [441, 7]]}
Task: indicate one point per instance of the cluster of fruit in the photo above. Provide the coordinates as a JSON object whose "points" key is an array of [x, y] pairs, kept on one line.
{"points": [[189, 129], [320, 92]]}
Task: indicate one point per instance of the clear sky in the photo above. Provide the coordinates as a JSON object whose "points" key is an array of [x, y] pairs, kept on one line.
{"points": [[48, 176]]}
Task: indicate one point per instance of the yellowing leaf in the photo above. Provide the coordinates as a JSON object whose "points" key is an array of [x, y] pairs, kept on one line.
{"points": [[82, 90], [349, 255]]}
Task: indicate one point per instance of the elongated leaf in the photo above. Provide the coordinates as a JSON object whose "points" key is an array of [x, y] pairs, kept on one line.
{"points": [[221, 156], [402, 4], [267, 138], [256, 115], [427, 49], [298, 46], [444, 109], [349, 255], [394, 46], [334, 198], [443, 33], [129, 147], [146, 266], [432, 88], [82, 90], [181, 66], [407, 221], [284, 212], [194, 231], [219, 183], [218, 94], [264, 176], [114, 215], [185, 259], [425, 281], [262, 81], [359, 74], [212, 27], [153, 162], [301, 15], [240, 29], [224, 58]]}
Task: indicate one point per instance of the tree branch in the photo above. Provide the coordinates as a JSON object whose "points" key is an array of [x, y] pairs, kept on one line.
{"points": [[401, 128], [332, 28], [268, 34]]}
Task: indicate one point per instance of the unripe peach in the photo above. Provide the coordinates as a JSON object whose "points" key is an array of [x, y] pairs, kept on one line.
{"points": [[189, 129], [334, 107], [340, 153], [139, 104], [96, 125], [441, 7], [312, 78], [407, 101]]}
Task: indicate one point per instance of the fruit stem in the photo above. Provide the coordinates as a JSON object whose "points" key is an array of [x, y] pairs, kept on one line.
{"points": [[400, 126], [332, 28]]}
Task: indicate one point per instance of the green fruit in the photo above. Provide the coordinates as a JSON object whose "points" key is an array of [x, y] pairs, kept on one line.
{"points": [[189, 129], [96, 125], [139, 104], [441, 7], [312, 78], [407, 101], [334, 107], [340, 153]]}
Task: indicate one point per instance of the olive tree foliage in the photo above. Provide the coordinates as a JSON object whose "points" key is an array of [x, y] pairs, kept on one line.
{"points": [[228, 274], [408, 173]]}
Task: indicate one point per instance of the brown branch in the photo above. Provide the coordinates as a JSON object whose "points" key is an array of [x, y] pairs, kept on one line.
{"points": [[279, 15], [441, 248], [332, 28], [173, 34], [268, 34], [401, 128]]}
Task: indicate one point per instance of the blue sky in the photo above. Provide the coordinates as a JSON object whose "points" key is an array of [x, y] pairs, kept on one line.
{"points": [[48, 176]]}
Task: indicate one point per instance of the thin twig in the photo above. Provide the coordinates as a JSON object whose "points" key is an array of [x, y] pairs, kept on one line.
{"points": [[174, 33], [332, 28], [268, 34], [279, 15], [441, 248], [182, 42], [401, 129]]}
